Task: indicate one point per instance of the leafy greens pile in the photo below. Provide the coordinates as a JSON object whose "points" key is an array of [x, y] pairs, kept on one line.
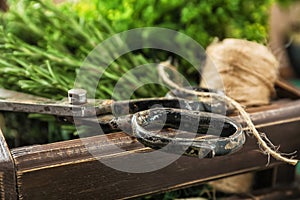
{"points": [[42, 44]]}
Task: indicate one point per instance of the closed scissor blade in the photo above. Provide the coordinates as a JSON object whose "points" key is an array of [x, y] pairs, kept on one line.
{"points": [[136, 105], [21, 102]]}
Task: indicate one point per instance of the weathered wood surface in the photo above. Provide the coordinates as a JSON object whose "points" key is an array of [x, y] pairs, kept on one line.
{"points": [[66, 170], [7, 173]]}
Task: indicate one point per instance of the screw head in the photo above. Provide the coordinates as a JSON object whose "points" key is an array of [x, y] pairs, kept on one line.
{"points": [[77, 96]]}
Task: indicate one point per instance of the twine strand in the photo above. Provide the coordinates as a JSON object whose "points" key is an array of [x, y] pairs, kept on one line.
{"points": [[266, 149]]}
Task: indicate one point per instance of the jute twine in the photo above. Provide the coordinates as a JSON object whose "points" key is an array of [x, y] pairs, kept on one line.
{"points": [[264, 143], [247, 71]]}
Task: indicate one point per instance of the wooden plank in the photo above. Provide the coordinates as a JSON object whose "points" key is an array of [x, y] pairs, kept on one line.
{"points": [[286, 90], [67, 170], [7, 172]]}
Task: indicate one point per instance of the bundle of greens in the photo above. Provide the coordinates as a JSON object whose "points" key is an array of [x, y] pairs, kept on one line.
{"points": [[42, 44], [201, 20]]}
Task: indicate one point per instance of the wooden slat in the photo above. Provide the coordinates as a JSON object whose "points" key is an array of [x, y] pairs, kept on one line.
{"points": [[66, 170], [7, 172], [286, 90]]}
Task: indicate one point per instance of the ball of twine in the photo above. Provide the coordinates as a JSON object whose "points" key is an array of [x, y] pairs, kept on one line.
{"points": [[248, 71]]}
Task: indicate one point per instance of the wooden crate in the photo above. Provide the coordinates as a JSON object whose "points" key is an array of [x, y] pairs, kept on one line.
{"points": [[66, 170]]}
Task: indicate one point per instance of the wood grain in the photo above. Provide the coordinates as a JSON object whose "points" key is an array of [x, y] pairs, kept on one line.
{"points": [[66, 170], [7, 172]]}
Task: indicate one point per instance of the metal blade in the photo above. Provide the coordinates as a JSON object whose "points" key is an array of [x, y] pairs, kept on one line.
{"points": [[21, 102]]}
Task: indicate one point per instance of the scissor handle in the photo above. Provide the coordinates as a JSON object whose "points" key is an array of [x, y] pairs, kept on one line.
{"points": [[222, 135]]}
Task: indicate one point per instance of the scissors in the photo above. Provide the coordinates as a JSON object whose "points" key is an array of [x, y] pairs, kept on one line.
{"points": [[176, 123]]}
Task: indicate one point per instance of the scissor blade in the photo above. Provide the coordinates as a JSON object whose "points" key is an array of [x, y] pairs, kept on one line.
{"points": [[21, 102], [133, 106]]}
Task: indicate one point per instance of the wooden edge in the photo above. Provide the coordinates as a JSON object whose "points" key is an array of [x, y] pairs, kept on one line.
{"points": [[7, 172], [67, 169], [281, 113], [285, 89]]}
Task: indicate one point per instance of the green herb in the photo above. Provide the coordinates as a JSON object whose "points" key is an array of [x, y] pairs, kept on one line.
{"points": [[201, 20], [43, 45]]}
